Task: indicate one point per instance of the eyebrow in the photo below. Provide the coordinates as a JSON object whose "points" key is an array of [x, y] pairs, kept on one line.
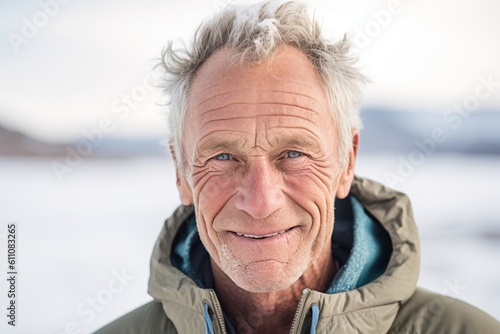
{"points": [[302, 142], [208, 146], [213, 144]]}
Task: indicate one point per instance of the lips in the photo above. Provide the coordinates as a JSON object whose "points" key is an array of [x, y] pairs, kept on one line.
{"points": [[252, 236]]}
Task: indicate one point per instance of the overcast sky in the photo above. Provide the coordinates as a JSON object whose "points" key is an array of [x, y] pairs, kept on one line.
{"points": [[82, 59]]}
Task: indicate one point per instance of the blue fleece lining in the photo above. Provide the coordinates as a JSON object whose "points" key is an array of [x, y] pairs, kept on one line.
{"points": [[190, 256], [369, 254], [184, 244]]}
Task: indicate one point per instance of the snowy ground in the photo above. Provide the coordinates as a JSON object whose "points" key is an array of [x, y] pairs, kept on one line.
{"points": [[84, 244]]}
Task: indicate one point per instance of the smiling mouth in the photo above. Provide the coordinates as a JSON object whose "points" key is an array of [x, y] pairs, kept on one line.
{"points": [[251, 236]]}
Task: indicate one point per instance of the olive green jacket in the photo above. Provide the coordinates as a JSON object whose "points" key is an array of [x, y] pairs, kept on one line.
{"points": [[389, 304]]}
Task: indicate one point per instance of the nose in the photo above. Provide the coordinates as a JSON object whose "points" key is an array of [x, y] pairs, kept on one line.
{"points": [[260, 191]]}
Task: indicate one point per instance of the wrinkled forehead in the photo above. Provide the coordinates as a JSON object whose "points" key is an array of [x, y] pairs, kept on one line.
{"points": [[287, 71]]}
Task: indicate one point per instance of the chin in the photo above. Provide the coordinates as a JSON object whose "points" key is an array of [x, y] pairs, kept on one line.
{"points": [[264, 276]]}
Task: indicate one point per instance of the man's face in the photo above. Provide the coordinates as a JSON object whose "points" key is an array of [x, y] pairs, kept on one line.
{"points": [[262, 167]]}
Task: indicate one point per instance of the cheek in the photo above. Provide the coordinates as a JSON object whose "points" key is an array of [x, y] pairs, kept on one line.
{"points": [[314, 190], [212, 188], [211, 192]]}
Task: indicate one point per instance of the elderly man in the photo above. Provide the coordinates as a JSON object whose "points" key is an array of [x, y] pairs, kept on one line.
{"points": [[276, 234]]}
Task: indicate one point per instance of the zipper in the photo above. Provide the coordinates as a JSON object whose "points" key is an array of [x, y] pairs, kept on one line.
{"points": [[218, 310], [300, 308]]}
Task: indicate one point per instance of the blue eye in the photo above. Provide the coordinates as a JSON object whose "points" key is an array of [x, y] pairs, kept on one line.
{"points": [[223, 157], [293, 154]]}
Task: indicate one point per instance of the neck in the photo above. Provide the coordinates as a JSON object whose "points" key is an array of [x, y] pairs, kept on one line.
{"points": [[270, 312]]}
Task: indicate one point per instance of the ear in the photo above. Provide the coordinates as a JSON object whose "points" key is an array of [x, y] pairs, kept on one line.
{"points": [[185, 193], [347, 173]]}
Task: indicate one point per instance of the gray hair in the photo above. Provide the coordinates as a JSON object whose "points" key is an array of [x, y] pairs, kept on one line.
{"points": [[254, 32]]}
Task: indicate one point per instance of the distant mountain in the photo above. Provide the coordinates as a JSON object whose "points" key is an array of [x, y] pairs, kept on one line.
{"points": [[16, 143], [383, 131], [13, 143]]}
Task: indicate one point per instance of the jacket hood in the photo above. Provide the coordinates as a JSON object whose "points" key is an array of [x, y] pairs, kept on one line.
{"points": [[368, 308]]}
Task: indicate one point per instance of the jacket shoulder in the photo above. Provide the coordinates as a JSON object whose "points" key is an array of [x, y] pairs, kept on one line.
{"points": [[147, 319], [428, 312]]}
